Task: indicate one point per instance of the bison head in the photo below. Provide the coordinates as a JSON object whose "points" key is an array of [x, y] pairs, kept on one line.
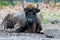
{"points": [[30, 12]]}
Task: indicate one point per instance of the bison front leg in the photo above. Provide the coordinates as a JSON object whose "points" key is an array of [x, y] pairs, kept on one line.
{"points": [[39, 27], [34, 27], [21, 28]]}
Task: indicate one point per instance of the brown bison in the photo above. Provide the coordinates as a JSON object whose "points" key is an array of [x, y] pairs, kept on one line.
{"points": [[26, 21]]}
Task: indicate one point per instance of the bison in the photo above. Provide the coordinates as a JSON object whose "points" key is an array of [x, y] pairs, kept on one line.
{"points": [[26, 21]]}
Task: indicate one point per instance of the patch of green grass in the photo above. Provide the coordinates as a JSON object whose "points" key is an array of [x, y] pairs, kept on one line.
{"points": [[56, 16], [4, 4], [44, 20]]}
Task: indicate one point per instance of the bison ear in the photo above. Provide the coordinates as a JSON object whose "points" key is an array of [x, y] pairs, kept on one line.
{"points": [[37, 10], [25, 10]]}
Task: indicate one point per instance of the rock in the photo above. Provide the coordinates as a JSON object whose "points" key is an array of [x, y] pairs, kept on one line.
{"points": [[47, 36], [55, 22]]}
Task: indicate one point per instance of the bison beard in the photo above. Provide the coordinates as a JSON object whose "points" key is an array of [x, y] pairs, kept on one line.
{"points": [[31, 25]]}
